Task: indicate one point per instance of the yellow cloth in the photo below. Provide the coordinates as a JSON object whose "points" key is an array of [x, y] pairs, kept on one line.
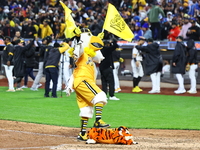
{"points": [[85, 92], [115, 24], [12, 23], [85, 69], [45, 31], [69, 22]]}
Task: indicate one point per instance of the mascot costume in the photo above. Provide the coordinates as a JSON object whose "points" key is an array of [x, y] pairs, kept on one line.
{"points": [[85, 53]]}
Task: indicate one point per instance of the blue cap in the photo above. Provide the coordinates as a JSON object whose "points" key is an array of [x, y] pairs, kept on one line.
{"points": [[136, 18], [145, 25], [138, 24]]}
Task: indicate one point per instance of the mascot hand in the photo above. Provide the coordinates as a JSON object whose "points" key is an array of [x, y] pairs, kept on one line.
{"points": [[187, 68], [101, 35], [77, 31], [121, 60], [68, 91]]}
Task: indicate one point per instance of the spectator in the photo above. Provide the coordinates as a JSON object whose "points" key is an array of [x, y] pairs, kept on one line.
{"points": [[138, 32], [8, 62], [45, 29], [193, 32], [30, 64], [8, 30], [3, 15], [174, 32], [185, 27], [179, 64], [28, 30], [146, 31], [106, 69], [153, 17], [192, 65], [153, 63], [165, 28]]}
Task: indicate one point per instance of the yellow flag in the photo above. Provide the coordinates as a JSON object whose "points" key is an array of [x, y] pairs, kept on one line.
{"points": [[69, 22], [115, 24]]}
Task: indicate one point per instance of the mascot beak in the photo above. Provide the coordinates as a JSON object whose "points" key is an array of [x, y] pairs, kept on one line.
{"points": [[96, 43]]}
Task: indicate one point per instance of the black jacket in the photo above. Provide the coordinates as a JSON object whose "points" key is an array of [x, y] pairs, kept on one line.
{"points": [[53, 58], [192, 52], [179, 57], [107, 62], [153, 58], [19, 59], [30, 58], [194, 34], [8, 54], [42, 49]]}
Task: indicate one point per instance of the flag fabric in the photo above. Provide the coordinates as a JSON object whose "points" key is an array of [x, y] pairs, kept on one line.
{"points": [[115, 24], [69, 22]]}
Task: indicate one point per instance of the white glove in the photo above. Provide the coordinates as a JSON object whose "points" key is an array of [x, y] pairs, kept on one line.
{"points": [[69, 88]]}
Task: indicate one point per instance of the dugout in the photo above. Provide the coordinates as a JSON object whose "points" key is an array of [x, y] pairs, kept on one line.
{"points": [[167, 48]]}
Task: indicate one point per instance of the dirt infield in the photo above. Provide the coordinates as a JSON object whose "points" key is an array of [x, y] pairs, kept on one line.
{"points": [[20, 135]]}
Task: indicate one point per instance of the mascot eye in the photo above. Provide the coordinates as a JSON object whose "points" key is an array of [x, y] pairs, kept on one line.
{"points": [[98, 45], [89, 34]]}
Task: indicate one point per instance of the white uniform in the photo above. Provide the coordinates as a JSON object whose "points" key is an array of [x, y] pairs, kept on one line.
{"points": [[137, 71], [65, 72]]}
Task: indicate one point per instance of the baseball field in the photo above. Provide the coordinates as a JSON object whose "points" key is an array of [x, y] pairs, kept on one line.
{"points": [[30, 121]]}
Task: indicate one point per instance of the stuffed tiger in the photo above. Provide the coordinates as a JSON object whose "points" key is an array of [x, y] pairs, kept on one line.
{"points": [[119, 135]]}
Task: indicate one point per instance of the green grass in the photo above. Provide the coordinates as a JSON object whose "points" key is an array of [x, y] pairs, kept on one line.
{"points": [[133, 110]]}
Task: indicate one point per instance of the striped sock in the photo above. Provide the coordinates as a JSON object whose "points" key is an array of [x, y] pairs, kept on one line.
{"points": [[84, 122], [98, 108]]}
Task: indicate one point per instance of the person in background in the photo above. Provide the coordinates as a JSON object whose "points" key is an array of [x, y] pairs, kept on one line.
{"points": [[45, 29], [42, 47], [64, 67], [153, 63], [153, 18], [192, 65], [106, 69], [138, 32], [166, 67], [51, 68], [8, 30], [165, 28], [8, 62], [179, 64], [174, 32], [19, 61], [116, 60], [147, 33], [185, 27], [30, 64], [137, 68], [193, 32]]}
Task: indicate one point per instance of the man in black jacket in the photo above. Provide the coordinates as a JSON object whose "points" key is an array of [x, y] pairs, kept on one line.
{"points": [[19, 61], [192, 65], [106, 69], [8, 63], [51, 68], [153, 63], [179, 64]]}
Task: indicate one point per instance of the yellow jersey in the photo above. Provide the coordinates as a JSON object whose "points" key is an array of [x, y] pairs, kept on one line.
{"points": [[85, 70]]}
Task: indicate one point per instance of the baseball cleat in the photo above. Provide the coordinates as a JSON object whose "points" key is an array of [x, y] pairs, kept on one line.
{"points": [[101, 124]]}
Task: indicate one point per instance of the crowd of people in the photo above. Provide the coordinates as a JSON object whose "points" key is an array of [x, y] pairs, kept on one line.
{"points": [[29, 18], [43, 19]]}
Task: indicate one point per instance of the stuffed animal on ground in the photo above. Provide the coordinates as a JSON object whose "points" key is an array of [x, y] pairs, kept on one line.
{"points": [[119, 135]]}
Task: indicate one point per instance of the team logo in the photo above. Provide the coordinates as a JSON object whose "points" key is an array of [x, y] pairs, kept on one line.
{"points": [[117, 23]]}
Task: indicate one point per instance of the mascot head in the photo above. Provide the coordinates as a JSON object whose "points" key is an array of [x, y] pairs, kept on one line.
{"points": [[91, 45]]}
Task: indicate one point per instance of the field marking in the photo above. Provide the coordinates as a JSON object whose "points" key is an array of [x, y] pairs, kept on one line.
{"points": [[33, 133]]}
